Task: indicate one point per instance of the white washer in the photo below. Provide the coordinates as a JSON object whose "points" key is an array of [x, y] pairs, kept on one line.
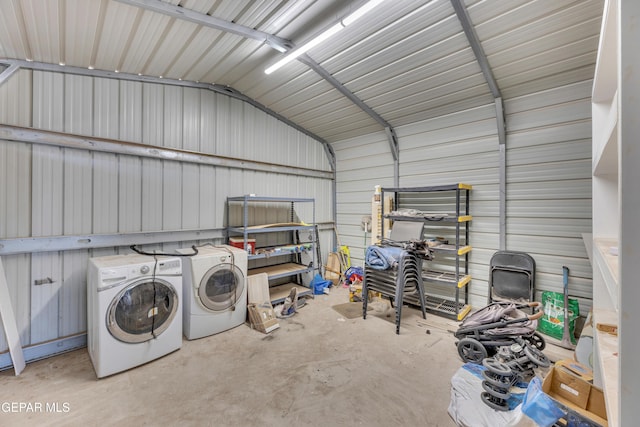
{"points": [[134, 310], [214, 290]]}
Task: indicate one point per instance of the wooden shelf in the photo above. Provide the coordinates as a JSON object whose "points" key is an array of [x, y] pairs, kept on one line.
{"points": [[281, 270], [283, 250], [607, 263], [280, 292], [606, 346], [605, 150], [605, 80], [616, 201]]}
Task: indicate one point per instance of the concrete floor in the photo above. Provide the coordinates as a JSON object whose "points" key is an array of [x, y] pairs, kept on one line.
{"points": [[317, 369]]}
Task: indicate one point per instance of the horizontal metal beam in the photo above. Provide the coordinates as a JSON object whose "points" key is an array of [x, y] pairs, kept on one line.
{"points": [[179, 12], [224, 90], [47, 349], [36, 136], [93, 241]]}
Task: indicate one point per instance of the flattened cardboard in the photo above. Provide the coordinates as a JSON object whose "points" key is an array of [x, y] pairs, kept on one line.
{"points": [[262, 318]]}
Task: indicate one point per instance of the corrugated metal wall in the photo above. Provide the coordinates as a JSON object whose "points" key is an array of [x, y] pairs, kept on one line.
{"points": [[362, 163], [459, 148], [549, 184], [548, 181], [55, 191]]}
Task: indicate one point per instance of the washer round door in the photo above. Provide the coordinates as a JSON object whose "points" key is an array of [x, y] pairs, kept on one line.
{"points": [[221, 287], [143, 310]]}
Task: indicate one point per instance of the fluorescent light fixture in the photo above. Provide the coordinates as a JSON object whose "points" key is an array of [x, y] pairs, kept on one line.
{"points": [[304, 48], [361, 11], [350, 19]]}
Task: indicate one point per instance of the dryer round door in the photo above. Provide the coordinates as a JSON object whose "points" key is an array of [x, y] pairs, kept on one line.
{"points": [[142, 310], [221, 287]]}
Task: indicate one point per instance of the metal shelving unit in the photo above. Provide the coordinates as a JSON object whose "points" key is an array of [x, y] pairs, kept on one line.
{"points": [[443, 209], [284, 260]]}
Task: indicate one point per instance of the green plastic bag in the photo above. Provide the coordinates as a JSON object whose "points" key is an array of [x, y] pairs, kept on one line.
{"points": [[552, 322]]}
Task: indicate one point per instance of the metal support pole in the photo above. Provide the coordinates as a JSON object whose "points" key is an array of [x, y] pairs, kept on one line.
{"points": [[502, 179]]}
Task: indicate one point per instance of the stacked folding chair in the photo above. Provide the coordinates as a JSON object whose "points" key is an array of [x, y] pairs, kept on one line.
{"points": [[396, 283]]}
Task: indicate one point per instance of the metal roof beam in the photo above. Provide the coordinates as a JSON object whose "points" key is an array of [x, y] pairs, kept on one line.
{"points": [[7, 72], [481, 57], [474, 41], [179, 12], [277, 43], [391, 135]]}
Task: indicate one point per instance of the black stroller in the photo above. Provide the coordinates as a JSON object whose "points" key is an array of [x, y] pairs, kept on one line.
{"points": [[496, 325]]}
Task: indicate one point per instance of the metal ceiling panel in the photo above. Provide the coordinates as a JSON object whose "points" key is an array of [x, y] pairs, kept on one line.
{"points": [[147, 34], [83, 29], [168, 50], [408, 60], [202, 6], [112, 51], [230, 53], [389, 34], [533, 48], [13, 36], [42, 24]]}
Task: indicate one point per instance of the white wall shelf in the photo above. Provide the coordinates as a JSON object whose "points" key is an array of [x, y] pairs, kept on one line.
{"points": [[607, 264], [605, 154], [616, 202]]}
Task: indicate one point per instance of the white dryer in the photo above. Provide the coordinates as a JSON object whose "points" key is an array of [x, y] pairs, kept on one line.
{"points": [[134, 310], [214, 290]]}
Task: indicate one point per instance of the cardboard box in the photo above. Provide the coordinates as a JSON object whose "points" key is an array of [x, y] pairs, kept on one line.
{"points": [[262, 317], [569, 388], [238, 242]]}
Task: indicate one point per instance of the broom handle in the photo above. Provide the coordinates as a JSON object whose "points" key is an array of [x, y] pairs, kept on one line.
{"points": [[565, 282]]}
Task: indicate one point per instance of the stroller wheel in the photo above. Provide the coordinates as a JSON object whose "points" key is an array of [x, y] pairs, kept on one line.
{"points": [[537, 341], [536, 356], [497, 404], [497, 368], [471, 350], [497, 380], [497, 392]]}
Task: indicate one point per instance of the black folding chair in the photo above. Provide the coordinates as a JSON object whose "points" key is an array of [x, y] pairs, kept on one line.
{"points": [[511, 277]]}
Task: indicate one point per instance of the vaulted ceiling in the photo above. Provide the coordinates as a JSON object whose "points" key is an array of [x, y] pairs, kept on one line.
{"points": [[407, 60]]}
